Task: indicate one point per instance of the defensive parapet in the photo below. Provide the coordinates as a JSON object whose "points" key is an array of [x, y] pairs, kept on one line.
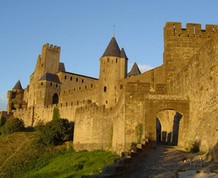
{"points": [[51, 47], [191, 30]]}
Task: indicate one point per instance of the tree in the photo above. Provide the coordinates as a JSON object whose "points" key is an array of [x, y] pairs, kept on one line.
{"points": [[2, 120], [12, 125], [56, 132]]}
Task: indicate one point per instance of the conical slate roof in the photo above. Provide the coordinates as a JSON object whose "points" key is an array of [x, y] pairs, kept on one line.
{"points": [[112, 49], [18, 86], [123, 54], [134, 71], [50, 77]]}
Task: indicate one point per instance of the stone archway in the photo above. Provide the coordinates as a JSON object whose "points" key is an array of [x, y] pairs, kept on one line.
{"points": [[155, 104], [55, 99], [167, 127]]}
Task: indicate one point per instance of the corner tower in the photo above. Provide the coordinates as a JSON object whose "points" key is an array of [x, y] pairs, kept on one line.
{"points": [[113, 67]]}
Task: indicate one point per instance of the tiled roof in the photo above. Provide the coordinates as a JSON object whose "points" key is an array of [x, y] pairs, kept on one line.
{"points": [[112, 49], [134, 71], [50, 77], [123, 54], [18, 86]]}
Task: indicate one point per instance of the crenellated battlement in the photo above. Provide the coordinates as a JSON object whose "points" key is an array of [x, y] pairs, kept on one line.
{"points": [[191, 30], [51, 47], [93, 107]]}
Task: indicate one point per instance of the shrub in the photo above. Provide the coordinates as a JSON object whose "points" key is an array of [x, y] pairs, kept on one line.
{"points": [[2, 121], [12, 125], [56, 132], [195, 147]]}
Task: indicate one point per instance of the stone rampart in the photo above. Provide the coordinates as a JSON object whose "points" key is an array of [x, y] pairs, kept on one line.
{"points": [[98, 127], [198, 81]]}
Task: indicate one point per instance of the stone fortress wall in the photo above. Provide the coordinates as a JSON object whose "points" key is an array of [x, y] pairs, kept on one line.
{"points": [[119, 109]]}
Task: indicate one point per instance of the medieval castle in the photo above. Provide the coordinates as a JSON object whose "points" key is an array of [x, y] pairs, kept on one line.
{"points": [[175, 103]]}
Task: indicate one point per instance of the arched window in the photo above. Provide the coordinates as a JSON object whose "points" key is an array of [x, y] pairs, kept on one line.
{"points": [[55, 99]]}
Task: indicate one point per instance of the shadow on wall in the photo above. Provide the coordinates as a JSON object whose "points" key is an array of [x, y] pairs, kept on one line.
{"points": [[168, 137]]}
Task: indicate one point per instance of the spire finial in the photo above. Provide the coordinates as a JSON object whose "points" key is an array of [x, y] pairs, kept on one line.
{"points": [[113, 31]]}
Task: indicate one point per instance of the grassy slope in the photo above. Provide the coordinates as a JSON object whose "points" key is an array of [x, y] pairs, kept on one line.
{"points": [[22, 156]]}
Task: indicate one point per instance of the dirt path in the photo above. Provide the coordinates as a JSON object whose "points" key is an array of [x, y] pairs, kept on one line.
{"points": [[170, 162]]}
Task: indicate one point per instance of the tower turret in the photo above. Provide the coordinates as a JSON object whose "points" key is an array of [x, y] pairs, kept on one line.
{"points": [[113, 67]]}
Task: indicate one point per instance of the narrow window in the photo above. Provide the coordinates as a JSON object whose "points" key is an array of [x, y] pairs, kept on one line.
{"points": [[50, 84], [116, 60], [76, 79], [82, 80], [108, 59], [71, 78], [65, 77], [105, 88]]}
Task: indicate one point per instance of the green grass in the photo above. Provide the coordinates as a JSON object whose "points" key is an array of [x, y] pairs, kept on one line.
{"points": [[33, 160]]}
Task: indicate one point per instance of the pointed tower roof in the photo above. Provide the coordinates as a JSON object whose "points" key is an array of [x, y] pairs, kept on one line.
{"points": [[123, 54], [134, 71], [112, 49], [18, 86]]}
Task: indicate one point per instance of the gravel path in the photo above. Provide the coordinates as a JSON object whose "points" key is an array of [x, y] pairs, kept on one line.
{"points": [[170, 162]]}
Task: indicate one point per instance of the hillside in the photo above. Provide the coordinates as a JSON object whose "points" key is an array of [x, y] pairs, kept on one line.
{"points": [[22, 156]]}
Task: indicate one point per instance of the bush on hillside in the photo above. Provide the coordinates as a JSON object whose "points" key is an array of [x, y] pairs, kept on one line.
{"points": [[2, 121], [12, 125], [56, 132]]}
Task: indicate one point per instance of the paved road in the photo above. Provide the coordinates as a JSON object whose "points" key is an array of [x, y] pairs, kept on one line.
{"points": [[170, 162]]}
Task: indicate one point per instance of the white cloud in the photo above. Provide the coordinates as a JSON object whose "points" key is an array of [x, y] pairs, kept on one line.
{"points": [[3, 102], [144, 67]]}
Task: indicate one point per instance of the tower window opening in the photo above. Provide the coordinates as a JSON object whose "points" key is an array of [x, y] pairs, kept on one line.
{"points": [[55, 99], [116, 60], [105, 88], [76, 79], [71, 78], [106, 102], [65, 77], [82, 80], [108, 60], [41, 83], [50, 84], [121, 87]]}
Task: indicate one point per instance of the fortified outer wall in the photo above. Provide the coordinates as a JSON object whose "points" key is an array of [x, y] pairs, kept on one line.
{"points": [[97, 127], [32, 115], [181, 44], [198, 81]]}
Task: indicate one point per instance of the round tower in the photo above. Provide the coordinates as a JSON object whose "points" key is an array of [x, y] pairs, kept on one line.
{"points": [[113, 68]]}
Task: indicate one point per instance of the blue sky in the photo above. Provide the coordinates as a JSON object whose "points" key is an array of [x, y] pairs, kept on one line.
{"points": [[83, 29]]}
